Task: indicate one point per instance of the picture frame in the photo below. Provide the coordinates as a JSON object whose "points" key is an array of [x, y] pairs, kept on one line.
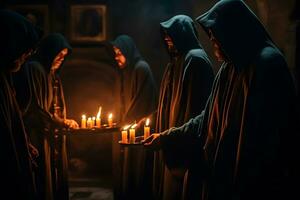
{"points": [[37, 14], [87, 23]]}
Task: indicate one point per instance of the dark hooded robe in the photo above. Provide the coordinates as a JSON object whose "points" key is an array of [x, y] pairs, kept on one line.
{"points": [[45, 98], [138, 92], [246, 134], [137, 100], [48, 50], [184, 90], [17, 36]]}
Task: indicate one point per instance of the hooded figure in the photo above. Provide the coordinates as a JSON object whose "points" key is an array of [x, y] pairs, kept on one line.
{"points": [[184, 90], [44, 111], [137, 88], [17, 37], [246, 135]]}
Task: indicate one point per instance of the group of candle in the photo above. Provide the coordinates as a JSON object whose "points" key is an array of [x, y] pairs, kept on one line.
{"points": [[132, 132], [95, 122]]}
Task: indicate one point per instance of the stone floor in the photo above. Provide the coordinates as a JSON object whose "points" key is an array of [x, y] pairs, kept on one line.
{"points": [[90, 193], [90, 189]]}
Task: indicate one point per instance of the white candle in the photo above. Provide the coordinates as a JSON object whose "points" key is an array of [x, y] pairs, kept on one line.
{"points": [[125, 134], [132, 134], [93, 121], [89, 122], [98, 119], [147, 129], [83, 121], [110, 120]]}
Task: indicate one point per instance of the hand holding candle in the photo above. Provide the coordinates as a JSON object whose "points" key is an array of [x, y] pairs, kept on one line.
{"points": [[147, 129]]}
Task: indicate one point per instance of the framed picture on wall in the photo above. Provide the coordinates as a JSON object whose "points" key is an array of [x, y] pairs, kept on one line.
{"points": [[87, 23], [37, 14]]}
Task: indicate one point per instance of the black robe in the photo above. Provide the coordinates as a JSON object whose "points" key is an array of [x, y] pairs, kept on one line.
{"points": [[137, 88], [32, 94], [16, 37], [41, 124], [184, 90], [246, 136]]}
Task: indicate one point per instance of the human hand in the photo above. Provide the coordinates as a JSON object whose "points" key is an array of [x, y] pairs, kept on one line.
{"points": [[70, 123], [153, 142]]}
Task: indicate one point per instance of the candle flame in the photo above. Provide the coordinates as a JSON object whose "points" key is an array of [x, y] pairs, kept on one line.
{"points": [[110, 116], [147, 122], [133, 126], [94, 118], [126, 127], [89, 118], [99, 113], [83, 116]]}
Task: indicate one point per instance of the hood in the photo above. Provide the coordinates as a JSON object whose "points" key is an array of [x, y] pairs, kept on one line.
{"points": [[182, 30], [128, 49], [237, 29], [49, 47], [17, 36]]}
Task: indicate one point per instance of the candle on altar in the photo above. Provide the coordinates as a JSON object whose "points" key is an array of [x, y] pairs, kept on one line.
{"points": [[125, 134], [83, 121], [89, 122], [147, 129], [98, 119], [110, 120], [132, 133]]}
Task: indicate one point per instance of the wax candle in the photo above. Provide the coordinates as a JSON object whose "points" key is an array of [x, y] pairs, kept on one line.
{"points": [[83, 121], [132, 134], [147, 129], [89, 122], [93, 121], [110, 120], [125, 134], [98, 119]]}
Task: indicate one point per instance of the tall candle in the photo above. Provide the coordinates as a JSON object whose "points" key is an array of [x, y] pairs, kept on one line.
{"points": [[89, 122], [98, 119], [147, 129], [125, 134], [83, 121], [110, 120], [93, 121], [132, 134]]}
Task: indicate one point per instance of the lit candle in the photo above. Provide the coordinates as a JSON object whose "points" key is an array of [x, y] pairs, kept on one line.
{"points": [[132, 133], [93, 121], [147, 129], [125, 134], [98, 119], [83, 121], [89, 122], [110, 120]]}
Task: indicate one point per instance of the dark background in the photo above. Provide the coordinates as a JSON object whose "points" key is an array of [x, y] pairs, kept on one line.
{"points": [[89, 77]]}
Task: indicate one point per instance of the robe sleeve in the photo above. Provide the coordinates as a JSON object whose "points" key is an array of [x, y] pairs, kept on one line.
{"points": [[37, 114], [183, 142]]}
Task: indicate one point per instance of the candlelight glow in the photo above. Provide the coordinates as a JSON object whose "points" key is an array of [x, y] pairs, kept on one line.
{"points": [[110, 116], [147, 122], [83, 116], [126, 127], [99, 112], [133, 126]]}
